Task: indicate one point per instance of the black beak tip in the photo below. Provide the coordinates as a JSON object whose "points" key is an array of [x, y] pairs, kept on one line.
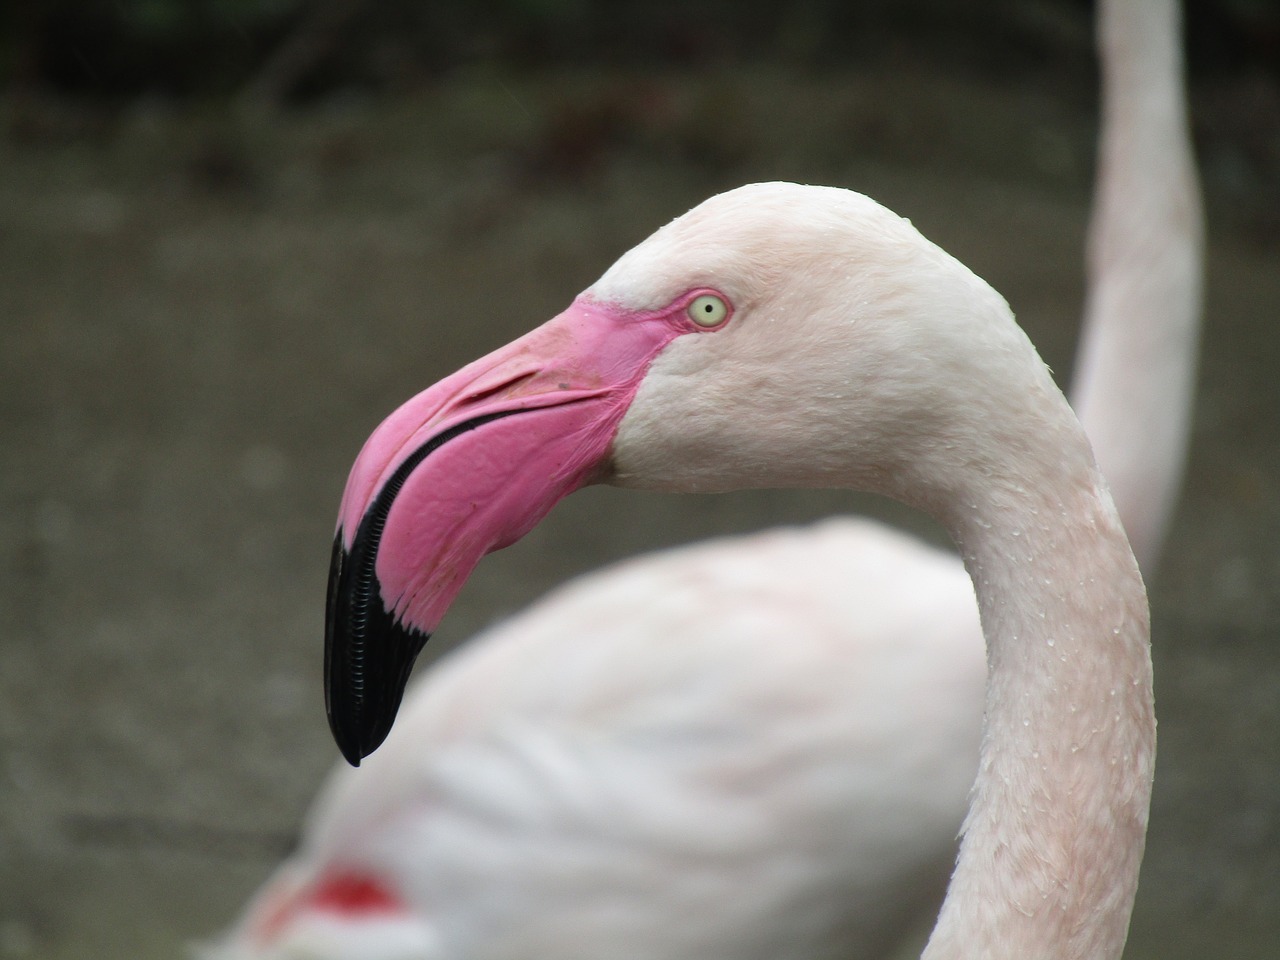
{"points": [[368, 655], [353, 742], [348, 746]]}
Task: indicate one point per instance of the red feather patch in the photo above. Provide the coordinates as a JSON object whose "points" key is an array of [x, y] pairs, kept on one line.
{"points": [[346, 893]]}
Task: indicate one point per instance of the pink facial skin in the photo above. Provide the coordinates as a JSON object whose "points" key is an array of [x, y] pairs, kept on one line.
{"points": [[468, 466]]}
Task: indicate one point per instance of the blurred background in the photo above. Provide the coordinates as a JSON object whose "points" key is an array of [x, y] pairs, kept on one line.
{"points": [[234, 234]]}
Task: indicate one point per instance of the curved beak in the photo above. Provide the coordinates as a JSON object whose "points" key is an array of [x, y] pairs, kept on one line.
{"points": [[466, 467]]}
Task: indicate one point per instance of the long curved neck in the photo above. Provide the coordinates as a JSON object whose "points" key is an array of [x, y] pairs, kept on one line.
{"points": [[1048, 864], [1135, 374], [1052, 845]]}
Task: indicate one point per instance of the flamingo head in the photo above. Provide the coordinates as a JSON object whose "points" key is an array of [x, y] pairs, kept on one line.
{"points": [[760, 340]]}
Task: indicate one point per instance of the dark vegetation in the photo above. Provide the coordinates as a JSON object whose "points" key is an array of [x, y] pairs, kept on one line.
{"points": [[289, 51]]}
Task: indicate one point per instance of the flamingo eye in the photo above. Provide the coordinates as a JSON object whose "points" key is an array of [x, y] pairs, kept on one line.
{"points": [[707, 310]]}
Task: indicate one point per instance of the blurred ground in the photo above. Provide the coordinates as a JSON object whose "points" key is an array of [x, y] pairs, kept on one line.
{"points": [[202, 316]]}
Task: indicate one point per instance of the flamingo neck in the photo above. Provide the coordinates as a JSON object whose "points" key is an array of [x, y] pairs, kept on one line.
{"points": [[1135, 376], [1048, 864]]}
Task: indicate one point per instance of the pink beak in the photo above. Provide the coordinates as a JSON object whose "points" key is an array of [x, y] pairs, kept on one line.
{"points": [[466, 467]]}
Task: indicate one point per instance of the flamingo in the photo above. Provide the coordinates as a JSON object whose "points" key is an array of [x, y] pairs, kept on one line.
{"points": [[783, 335], [649, 798]]}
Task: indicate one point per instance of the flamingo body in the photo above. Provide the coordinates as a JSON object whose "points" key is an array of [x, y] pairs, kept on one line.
{"points": [[686, 735]]}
